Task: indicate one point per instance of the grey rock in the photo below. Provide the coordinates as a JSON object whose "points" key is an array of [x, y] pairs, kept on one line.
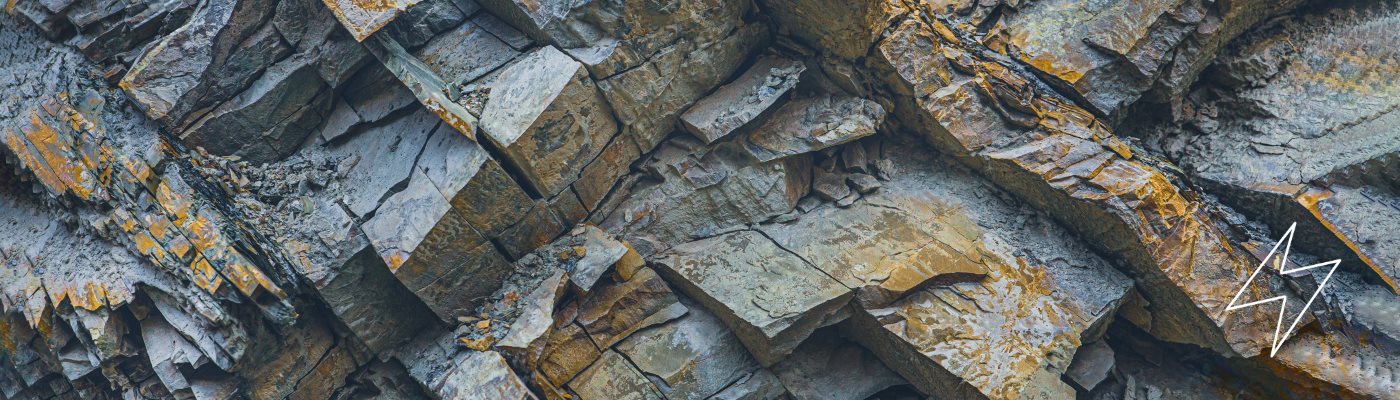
{"points": [[772, 308], [465, 53], [811, 124], [749, 97], [694, 356], [862, 183], [829, 186], [449, 373], [613, 377], [1091, 365], [615, 311], [424, 21], [759, 385], [434, 251], [548, 118]]}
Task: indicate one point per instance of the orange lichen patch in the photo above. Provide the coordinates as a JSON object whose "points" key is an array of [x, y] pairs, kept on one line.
{"points": [[363, 17], [20, 148], [205, 276], [64, 147], [248, 279], [1310, 198], [1055, 67], [54, 150], [89, 296]]}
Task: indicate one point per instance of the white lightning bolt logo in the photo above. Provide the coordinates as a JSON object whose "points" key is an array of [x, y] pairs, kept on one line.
{"points": [[1287, 242]]}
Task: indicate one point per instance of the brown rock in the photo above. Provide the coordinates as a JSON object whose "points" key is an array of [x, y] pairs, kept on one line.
{"points": [[548, 118], [615, 311], [613, 377]]}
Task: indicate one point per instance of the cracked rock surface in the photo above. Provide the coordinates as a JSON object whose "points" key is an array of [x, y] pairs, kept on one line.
{"points": [[699, 199]]}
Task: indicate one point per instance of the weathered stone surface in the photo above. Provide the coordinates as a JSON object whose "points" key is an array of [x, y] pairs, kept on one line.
{"points": [[465, 53], [362, 17], [1112, 52], [899, 241], [695, 356], [452, 373], [1073, 168], [1091, 365], [845, 29], [189, 237], [528, 334], [1366, 369], [962, 337], [771, 298], [429, 88], [434, 251], [568, 352], [761, 384], [744, 100], [707, 192], [649, 97], [549, 119], [812, 124], [614, 377], [613, 312], [1274, 148], [421, 23]]}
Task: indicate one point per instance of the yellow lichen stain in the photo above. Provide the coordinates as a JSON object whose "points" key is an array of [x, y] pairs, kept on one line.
{"points": [[205, 276]]}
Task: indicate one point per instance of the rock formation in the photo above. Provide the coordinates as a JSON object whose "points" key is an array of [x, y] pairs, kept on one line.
{"points": [[698, 199]]}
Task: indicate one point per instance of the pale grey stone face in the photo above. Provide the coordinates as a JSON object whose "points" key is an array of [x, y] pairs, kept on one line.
{"points": [[698, 199]]}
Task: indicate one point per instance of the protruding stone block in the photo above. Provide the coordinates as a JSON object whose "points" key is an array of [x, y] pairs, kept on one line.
{"points": [[811, 124], [768, 296], [696, 356], [434, 251], [744, 100], [548, 118]]}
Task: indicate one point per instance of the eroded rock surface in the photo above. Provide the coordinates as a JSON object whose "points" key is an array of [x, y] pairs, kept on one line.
{"points": [[697, 199]]}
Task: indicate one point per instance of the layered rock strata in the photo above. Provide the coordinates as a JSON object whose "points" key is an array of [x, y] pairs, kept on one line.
{"points": [[701, 199]]}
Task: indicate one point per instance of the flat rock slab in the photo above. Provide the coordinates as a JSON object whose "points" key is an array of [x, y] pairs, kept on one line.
{"points": [[1044, 292], [617, 310], [899, 240], [614, 377], [695, 356], [768, 296], [363, 17], [703, 194], [742, 101], [451, 373], [811, 124]]}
